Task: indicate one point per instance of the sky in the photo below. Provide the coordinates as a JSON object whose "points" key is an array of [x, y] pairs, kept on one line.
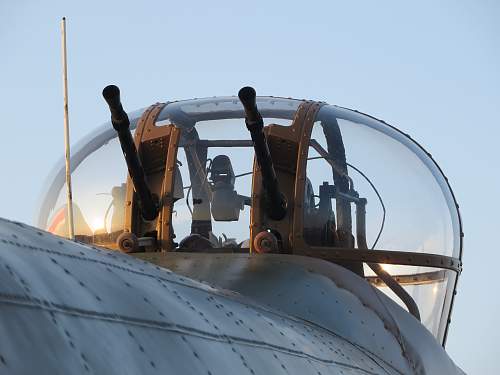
{"points": [[430, 68]]}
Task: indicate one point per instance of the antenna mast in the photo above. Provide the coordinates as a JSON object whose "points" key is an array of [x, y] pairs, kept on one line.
{"points": [[71, 227]]}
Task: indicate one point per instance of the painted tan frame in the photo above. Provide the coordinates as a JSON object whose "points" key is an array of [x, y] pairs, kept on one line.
{"points": [[157, 149], [284, 146]]}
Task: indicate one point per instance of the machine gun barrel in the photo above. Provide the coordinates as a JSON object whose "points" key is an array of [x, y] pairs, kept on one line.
{"points": [[121, 124], [276, 203]]}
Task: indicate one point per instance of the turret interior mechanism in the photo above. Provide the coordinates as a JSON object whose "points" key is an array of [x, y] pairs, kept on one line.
{"points": [[226, 202], [255, 175]]}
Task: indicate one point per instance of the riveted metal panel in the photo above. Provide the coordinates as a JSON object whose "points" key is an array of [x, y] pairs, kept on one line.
{"points": [[325, 294], [70, 308]]}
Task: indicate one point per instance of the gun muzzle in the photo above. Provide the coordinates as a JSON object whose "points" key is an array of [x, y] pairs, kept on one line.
{"points": [[121, 123], [248, 98], [275, 200], [119, 117]]}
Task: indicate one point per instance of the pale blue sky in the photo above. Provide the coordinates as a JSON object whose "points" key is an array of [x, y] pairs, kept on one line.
{"points": [[430, 68]]}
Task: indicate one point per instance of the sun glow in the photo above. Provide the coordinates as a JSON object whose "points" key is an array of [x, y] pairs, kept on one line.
{"points": [[386, 267], [97, 224]]}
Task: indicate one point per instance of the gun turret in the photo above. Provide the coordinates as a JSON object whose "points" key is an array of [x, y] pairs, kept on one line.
{"points": [[275, 201], [121, 123]]}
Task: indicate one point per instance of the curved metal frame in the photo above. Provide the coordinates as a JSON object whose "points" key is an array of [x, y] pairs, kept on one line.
{"points": [[412, 279], [403, 258]]}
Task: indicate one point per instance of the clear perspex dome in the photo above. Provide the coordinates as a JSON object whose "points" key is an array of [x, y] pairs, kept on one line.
{"points": [[410, 207]]}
